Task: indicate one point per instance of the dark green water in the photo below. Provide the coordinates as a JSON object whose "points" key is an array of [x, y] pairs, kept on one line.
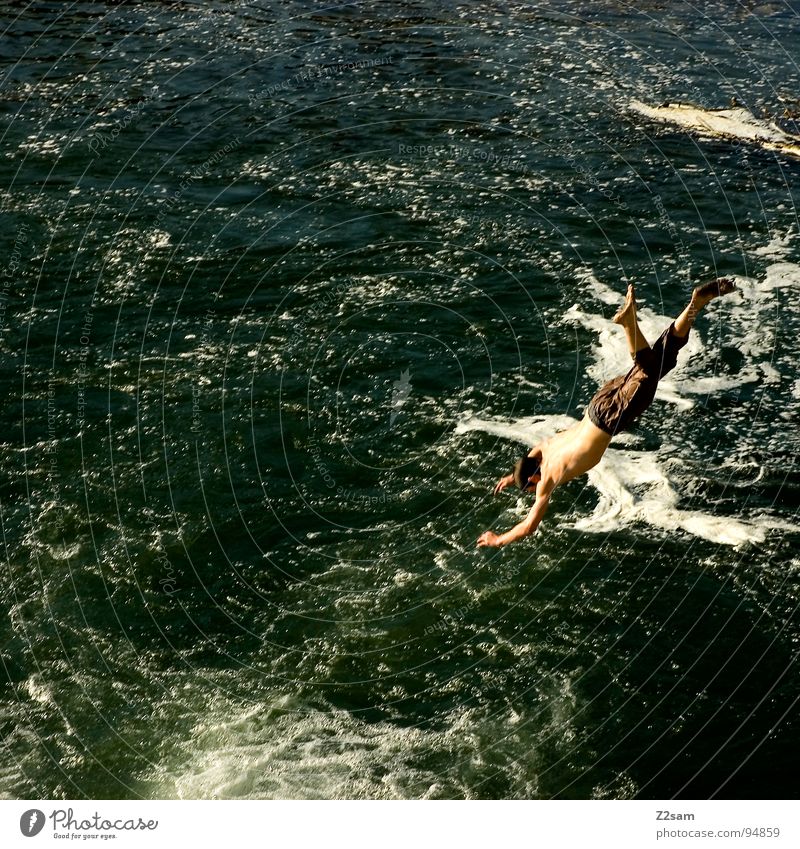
{"points": [[282, 290]]}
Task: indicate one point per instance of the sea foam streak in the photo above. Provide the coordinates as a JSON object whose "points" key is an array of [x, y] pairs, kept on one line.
{"points": [[736, 124], [633, 487]]}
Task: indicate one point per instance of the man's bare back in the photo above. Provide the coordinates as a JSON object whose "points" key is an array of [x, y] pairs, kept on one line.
{"points": [[615, 406], [571, 452]]}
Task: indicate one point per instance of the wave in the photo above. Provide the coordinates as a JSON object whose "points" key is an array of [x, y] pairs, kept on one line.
{"points": [[736, 124]]}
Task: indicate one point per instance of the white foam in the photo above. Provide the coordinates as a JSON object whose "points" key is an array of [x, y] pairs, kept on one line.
{"points": [[750, 326], [749, 319], [781, 275], [777, 248], [284, 751], [634, 487], [529, 430], [734, 123]]}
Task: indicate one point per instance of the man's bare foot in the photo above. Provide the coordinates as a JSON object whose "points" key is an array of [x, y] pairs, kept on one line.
{"points": [[628, 310], [713, 289]]}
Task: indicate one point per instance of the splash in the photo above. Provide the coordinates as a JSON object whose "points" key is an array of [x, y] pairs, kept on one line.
{"points": [[635, 488]]}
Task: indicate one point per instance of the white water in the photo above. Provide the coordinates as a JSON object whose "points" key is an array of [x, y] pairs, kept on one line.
{"points": [[635, 488], [281, 750], [735, 124], [745, 319]]}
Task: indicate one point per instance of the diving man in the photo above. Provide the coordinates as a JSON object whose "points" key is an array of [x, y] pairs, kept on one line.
{"points": [[614, 408]]}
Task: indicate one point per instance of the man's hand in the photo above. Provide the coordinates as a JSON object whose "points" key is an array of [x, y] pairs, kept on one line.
{"points": [[503, 483], [528, 525], [490, 539]]}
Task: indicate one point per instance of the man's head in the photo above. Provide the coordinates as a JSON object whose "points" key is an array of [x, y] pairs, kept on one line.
{"points": [[527, 473]]}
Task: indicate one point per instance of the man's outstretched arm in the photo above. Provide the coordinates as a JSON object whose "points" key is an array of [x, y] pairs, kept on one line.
{"points": [[527, 526]]}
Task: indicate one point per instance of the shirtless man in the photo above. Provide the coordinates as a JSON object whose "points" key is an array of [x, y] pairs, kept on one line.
{"points": [[613, 409]]}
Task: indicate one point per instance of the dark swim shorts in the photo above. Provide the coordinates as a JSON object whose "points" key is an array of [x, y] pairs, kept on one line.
{"points": [[622, 400]]}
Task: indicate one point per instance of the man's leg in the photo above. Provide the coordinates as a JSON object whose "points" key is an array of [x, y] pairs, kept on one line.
{"points": [[701, 296], [627, 318]]}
